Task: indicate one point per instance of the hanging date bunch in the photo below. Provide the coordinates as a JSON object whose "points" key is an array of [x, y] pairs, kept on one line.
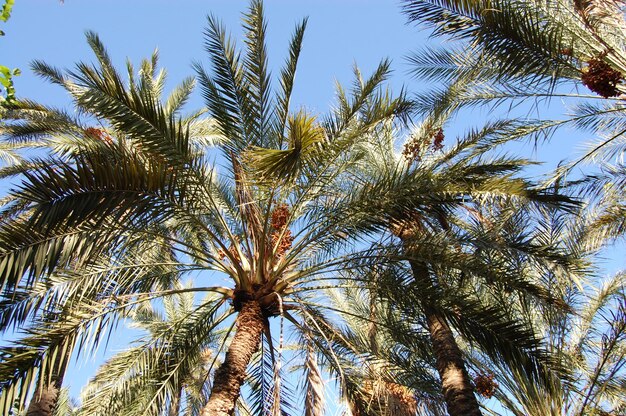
{"points": [[98, 134], [281, 237], [417, 145], [485, 385], [383, 397], [232, 250], [600, 78], [401, 399]]}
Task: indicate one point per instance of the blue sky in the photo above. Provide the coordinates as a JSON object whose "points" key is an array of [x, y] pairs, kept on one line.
{"points": [[339, 34]]}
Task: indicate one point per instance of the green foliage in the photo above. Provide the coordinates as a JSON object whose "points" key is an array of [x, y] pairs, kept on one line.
{"points": [[318, 218], [167, 367], [544, 51], [590, 343], [539, 46], [6, 74], [114, 215], [530, 52], [6, 10]]}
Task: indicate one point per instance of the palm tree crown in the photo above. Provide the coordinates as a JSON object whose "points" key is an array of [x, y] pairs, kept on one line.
{"points": [[151, 194]]}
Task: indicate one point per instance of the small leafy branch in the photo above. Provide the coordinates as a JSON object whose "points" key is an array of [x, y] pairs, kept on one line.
{"points": [[7, 74], [6, 10]]}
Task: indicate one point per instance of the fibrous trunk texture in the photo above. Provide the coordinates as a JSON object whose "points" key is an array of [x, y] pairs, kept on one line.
{"points": [[46, 396], [230, 375], [458, 390], [457, 386], [44, 401]]}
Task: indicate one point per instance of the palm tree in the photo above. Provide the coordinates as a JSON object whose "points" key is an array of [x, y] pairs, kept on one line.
{"points": [[164, 359], [543, 51], [107, 228], [66, 138], [367, 352], [590, 342], [421, 201], [287, 147], [424, 198]]}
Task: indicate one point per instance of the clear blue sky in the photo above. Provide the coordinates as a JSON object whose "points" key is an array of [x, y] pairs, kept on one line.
{"points": [[340, 33]]}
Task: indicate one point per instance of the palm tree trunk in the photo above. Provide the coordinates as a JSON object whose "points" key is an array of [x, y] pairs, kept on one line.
{"points": [[45, 398], [458, 390], [230, 375]]}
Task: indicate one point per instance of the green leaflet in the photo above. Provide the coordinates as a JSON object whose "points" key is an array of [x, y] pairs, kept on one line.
{"points": [[5, 73], [6, 79], [6, 10]]}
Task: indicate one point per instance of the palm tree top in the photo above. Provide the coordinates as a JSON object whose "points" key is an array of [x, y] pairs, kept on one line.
{"points": [[134, 200]]}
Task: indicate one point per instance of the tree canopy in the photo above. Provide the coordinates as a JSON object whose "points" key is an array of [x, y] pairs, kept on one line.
{"points": [[388, 243]]}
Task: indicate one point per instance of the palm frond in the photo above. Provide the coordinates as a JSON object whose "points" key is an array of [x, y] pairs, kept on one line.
{"points": [[148, 376], [287, 79]]}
